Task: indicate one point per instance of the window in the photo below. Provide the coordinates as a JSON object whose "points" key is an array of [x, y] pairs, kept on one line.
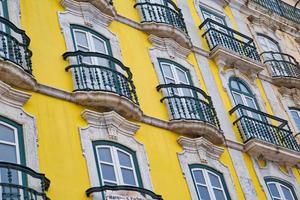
{"points": [[243, 95], [296, 116], [209, 183], [268, 44], [12, 150], [117, 165], [215, 17], [3, 8], [280, 190]]}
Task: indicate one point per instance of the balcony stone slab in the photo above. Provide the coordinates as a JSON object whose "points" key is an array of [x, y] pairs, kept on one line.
{"points": [[14, 75], [272, 152], [288, 82], [195, 128], [108, 101]]}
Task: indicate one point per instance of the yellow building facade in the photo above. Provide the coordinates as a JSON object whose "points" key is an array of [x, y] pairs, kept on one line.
{"points": [[149, 99]]}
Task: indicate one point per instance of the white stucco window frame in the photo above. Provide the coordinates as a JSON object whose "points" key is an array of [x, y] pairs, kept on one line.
{"points": [[110, 126], [201, 151], [271, 169]]}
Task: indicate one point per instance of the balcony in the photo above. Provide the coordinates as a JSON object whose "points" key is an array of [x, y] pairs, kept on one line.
{"points": [[191, 112], [22, 183], [105, 6], [15, 62], [164, 21], [280, 8], [231, 48], [266, 135], [122, 192], [284, 68], [106, 85]]}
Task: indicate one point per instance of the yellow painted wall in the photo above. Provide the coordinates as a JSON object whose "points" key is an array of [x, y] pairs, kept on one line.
{"points": [[58, 121]]}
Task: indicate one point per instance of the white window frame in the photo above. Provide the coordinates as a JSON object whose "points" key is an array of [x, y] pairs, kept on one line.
{"points": [[278, 186], [208, 183], [116, 165]]}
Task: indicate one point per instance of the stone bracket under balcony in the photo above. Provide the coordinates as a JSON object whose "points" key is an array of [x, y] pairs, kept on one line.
{"points": [[231, 48], [266, 136], [164, 22], [15, 57], [104, 85], [191, 113], [265, 150], [224, 57]]}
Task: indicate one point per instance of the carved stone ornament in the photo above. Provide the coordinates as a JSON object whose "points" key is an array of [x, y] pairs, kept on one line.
{"points": [[294, 94], [170, 46], [93, 11]]}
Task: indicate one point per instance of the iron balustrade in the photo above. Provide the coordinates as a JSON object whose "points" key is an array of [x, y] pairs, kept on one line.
{"points": [[108, 74], [154, 12], [147, 194], [18, 182], [281, 8], [193, 104], [217, 34], [14, 45], [254, 124], [281, 64]]}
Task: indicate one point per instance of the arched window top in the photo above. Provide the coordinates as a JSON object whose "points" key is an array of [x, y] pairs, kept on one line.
{"points": [[279, 189], [117, 164], [239, 86], [209, 183], [267, 43]]}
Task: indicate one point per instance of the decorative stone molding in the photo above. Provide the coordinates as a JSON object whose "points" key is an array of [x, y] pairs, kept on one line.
{"points": [[110, 101], [272, 169], [163, 30], [12, 74], [11, 103], [88, 11], [201, 151], [294, 94], [225, 57], [103, 7], [110, 126], [170, 46], [288, 82], [263, 16], [268, 151]]}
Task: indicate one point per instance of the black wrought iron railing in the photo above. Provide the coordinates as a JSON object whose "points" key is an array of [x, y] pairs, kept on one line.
{"points": [[100, 72], [121, 191], [18, 182], [14, 45], [154, 12], [217, 34], [189, 103], [281, 8], [281, 64], [254, 124]]}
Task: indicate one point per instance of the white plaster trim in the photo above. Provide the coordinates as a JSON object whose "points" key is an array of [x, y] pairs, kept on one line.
{"points": [[272, 170], [200, 151], [11, 103], [111, 127]]}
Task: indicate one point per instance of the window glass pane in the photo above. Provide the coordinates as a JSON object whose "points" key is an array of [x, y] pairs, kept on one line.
{"points": [[287, 193], [124, 159], [104, 154], [8, 153], [234, 85], [203, 192], [108, 172], [99, 45], [273, 190], [181, 76], [81, 39], [199, 178], [167, 70], [214, 180], [296, 118], [7, 134], [219, 194], [244, 89], [128, 176], [238, 98]]}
